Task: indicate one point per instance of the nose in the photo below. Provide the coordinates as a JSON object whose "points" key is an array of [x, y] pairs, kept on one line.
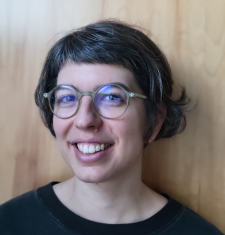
{"points": [[86, 117]]}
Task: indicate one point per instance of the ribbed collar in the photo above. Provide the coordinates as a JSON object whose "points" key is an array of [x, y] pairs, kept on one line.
{"points": [[80, 225]]}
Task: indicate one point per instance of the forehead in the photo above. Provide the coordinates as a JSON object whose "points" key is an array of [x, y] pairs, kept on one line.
{"points": [[86, 77]]}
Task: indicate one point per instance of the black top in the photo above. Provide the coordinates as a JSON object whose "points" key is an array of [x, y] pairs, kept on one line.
{"points": [[40, 212]]}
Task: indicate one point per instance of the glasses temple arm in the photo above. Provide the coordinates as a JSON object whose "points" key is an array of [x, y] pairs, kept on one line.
{"points": [[132, 94], [45, 95]]}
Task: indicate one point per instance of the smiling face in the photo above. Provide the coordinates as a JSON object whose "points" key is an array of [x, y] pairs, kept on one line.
{"points": [[115, 145]]}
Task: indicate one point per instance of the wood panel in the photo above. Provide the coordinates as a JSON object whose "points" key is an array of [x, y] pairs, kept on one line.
{"points": [[191, 166]]}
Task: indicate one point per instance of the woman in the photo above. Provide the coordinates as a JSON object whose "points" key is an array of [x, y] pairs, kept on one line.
{"points": [[104, 93]]}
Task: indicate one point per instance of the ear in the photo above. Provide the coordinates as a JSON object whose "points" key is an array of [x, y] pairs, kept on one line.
{"points": [[159, 122]]}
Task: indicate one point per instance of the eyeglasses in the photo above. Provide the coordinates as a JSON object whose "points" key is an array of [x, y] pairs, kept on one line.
{"points": [[110, 100]]}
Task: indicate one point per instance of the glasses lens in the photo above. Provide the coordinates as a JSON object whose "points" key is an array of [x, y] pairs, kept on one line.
{"points": [[64, 101], [111, 101]]}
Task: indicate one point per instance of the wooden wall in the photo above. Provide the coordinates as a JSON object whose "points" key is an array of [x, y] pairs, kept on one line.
{"points": [[191, 166]]}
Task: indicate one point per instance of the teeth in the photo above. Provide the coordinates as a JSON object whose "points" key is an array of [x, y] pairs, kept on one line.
{"points": [[106, 146], [85, 149], [91, 148], [97, 148]]}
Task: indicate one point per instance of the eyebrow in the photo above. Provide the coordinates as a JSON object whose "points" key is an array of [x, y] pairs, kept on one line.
{"points": [[117, 83], [96, 87]]}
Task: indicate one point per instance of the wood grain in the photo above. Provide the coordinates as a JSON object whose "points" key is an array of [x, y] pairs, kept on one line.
{"points": [[191, 166]]}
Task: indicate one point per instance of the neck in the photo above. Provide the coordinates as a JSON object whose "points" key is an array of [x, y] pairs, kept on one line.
{"points": [[122, 200], [108, 201], [106, 195]]}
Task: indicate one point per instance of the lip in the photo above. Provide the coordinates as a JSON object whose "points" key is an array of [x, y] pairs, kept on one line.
{"points": [[91, 140], [91, 157]]}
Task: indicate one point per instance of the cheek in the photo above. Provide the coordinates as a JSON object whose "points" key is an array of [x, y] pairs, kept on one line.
{"points": [[137, 120], [57, 127], [60, 126], [130, 128]]}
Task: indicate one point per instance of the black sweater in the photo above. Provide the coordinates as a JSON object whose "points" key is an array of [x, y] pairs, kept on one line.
{"points": [[39, 212]]}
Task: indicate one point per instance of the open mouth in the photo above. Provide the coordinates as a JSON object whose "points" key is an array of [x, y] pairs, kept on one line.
{"points": [[92, 148]]}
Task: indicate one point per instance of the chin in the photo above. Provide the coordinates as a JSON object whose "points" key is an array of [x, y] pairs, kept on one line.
{"points": [[91, 175], [90, 179]]}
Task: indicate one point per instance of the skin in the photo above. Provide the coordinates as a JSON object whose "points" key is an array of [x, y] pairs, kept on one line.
{"points": [[109, 190]]}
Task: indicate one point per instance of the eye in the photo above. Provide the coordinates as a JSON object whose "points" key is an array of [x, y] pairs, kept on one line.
{"points": [[109, 100], [112, 97], [65, 99]]}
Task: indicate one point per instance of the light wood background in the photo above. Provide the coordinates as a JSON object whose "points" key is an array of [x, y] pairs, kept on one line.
{"points": [[191, 166]]}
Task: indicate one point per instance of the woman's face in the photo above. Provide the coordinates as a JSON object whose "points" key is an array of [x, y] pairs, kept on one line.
{"points": [[122, 137]]}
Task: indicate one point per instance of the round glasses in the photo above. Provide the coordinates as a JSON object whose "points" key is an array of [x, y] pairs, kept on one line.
{"points": [[110, 100]]}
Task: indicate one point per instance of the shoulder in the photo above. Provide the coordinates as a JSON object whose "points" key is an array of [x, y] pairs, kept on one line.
{"points": [[18, 209], [192, 219], [18, 204], [22, 214], [189, 222]]}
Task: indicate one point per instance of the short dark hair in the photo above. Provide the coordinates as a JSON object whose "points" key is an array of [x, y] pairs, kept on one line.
{"points": [[116, 43]]}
